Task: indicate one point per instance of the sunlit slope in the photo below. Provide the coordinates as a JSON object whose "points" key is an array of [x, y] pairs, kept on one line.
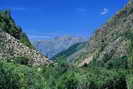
{"points": [[113, 40], [14, 43]]}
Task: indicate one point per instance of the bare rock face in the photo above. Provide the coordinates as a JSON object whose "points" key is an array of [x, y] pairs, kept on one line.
{"points": [[11, 47]]}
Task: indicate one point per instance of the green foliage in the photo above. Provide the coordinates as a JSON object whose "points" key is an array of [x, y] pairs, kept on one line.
{"points": [[119, 63], [8, 80], [19, 60], [24, 39], [64, 76], [130, 82], [8, 25], [13, 76], [105, 79], [54, 72], [66, 53], [99, 74], [129, 36]]}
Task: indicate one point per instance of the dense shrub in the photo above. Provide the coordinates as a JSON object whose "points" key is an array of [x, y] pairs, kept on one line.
{"points": [[63, 76], [19, 60], [129, 79], [129, 36], [116, 63], [130, 82], [8, 80], [119, 63], [13, 76]]}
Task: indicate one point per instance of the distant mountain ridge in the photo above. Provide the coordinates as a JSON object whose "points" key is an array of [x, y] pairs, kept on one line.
{"points": [[53, 46], [105, 61], [70, 53], [112, 42]]}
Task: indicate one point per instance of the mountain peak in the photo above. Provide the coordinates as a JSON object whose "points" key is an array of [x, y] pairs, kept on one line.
{"points": [[53, 46]]}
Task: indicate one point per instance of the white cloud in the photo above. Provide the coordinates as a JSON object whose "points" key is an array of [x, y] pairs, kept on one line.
{"points": [[105, 11]]}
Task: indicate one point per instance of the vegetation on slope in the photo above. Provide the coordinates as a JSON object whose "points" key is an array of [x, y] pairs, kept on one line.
{"points": [[53, 46], [70, 51], [108, 72], [8, 25], [15, 76], [110, 42], [63, 76]]}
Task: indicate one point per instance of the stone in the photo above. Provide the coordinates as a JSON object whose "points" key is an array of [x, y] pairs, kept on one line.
{"points": [[11, 47]]}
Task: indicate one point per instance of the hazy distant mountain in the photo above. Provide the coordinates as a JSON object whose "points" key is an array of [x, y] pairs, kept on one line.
{"points": [[103, 62], [57, 44], [70, 53]]}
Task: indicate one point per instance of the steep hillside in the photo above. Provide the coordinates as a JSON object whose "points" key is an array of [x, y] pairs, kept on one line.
{"points": [[53, 46], [11, 48], [106, 60], [70, 53], [114, 40], [8, 25], [14, 43]]}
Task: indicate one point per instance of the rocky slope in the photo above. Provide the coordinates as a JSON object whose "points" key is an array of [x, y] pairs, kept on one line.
{"points": [[8, 25], [53, 46], [109, 54], [114, 40], [14, 44]]}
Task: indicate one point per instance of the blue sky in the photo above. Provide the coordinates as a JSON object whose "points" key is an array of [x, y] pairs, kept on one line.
{"points": [[42, 19]]}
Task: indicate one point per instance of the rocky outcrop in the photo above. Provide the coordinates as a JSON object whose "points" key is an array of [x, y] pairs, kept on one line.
{"points": [[113, 40], [11, 47], [8, 25]]}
